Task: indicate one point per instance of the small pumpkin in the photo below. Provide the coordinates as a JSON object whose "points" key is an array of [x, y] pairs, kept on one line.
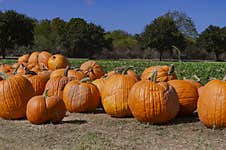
{"points": [[43, 57], [57, 61], [76, 74], [165, 73], [115, 94], [15, 91], [81, 96], [23, 59], [153, 102], [212, 104], [33, 59], [42, 109], [92, 69], [187, 95]]}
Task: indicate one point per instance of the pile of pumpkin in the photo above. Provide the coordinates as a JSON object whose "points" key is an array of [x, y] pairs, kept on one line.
{"points": [[42, 87]]}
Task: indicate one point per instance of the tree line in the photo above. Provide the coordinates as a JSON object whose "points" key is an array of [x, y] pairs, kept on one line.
{"points": [[170, 36]]}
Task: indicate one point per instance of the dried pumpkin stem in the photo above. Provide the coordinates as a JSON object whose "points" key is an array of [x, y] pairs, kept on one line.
{"points": [[172, 69], [153, 76], [28, 71], [126, 69], [16, 69], [66, 71], [45, 94], [86, 79], [4, 76]]}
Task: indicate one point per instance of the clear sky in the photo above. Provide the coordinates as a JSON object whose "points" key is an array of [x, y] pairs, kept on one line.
{"points": [[128, 15]]}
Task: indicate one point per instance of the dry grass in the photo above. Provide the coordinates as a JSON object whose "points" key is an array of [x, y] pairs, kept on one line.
{"points": [[100, 131]]}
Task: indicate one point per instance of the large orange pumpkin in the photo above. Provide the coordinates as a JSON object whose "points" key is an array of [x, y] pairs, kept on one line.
{"points": [[92, 69], [212, 104], [57, 61], [15, 91], [41, 109], [39, 58], [23, 59], [187, 95], [153, 102], [165, 73], [76, 74], [33, 59], [81, 96], [115, 94]]}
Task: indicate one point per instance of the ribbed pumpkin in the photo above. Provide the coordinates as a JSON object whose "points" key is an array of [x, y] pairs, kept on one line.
{"points": [[92, 69], [130, 72], [165, 73], [15, 91], [99, 84], [41, 109], [57, 61], [56, 85], [195, 83], [23, 59], [33, 59], [76, 74], [187, 95], [81, 96], [43, 58], [153, 102], [115, 94], [212, 104]]}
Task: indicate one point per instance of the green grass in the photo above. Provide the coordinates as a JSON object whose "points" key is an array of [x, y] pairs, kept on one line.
{"points": [[204, 70]]}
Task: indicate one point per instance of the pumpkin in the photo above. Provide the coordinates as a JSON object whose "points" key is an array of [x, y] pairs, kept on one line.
{"points": [[154, 102], [37, 81], [92, 69], [187, 95], [212, 104], [200, 90], [33, 59], [81, 96], [42, 109], [15, 91], [195, 83], [76, 74], [115, 94], [99, 84], [57, 61], [165, 73], [130, 72], [43, 58], [23, 59], [56, 85]]}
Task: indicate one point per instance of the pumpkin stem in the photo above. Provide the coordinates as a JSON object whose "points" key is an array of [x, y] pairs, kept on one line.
{"points": [[66, 71], [224, 79], [196, 78], [28, 71], [4, 76], [78, 69], [171, 70], [16, 69], [126, 69], [86, 79], [45, 94], [153, 76]]}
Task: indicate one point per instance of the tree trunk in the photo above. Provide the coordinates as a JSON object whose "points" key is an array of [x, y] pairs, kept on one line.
{"points": [[3, 53], [160, 55]]}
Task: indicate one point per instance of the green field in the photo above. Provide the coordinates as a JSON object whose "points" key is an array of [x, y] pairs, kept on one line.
{"points": [[204, 70]]}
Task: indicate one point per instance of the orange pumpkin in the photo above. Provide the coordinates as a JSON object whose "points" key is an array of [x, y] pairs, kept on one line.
{"points": [[195, 83], [165, 73], [56, 85], [23, 59], [41, 109], [115, 94], [211, 104], [43, 58], [99, 84], [5, 68], [76, 74], [200, 90], [81, 96], [15, 91], [187, 95], [33, 59], [92, 69], [153, 102], [57, 61]]}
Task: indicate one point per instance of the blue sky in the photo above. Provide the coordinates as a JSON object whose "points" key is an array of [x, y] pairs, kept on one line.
{"points": [[128, 15]]}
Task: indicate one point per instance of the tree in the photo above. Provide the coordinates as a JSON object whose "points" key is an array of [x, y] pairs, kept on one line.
{"points": [[184, 23], [15, 30], [161, 34], [213, 39]]}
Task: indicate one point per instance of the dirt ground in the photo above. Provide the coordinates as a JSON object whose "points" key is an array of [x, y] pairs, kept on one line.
{"points": [[100, 131]]}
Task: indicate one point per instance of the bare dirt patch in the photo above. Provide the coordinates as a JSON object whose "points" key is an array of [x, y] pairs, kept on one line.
{"points": [[100, 131]]}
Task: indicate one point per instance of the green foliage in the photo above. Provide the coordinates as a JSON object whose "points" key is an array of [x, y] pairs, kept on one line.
{"points": [[15, 30], [161, 34], [184, 24], [213, 39]]}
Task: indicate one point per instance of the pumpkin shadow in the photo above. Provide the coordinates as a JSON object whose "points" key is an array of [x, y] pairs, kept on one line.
{"points": [[75, 121], [184, 119]]}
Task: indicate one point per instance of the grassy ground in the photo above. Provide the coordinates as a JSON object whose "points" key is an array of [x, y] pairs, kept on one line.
{"points": [[100, 131]]}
